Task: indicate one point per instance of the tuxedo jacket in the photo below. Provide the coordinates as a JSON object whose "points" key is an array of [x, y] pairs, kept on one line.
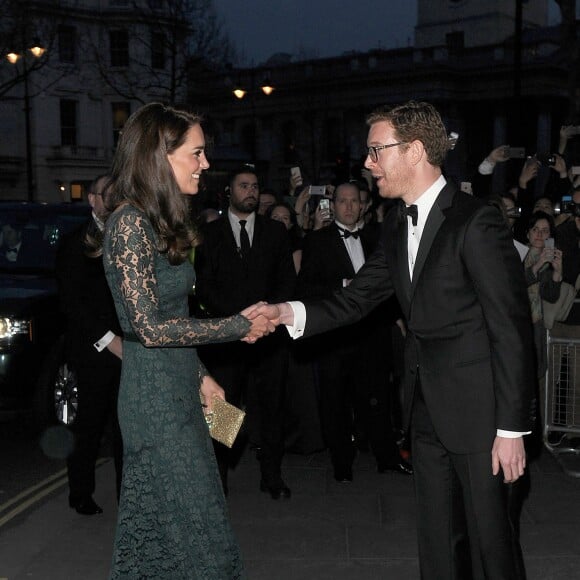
{"points": [[469, 339], [226, 284], [325, 262], [86, 301]]}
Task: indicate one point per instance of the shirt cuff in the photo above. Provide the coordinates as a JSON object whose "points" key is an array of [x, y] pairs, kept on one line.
{"points": [[486, 167], [297, 329], [104, 341], [511, 434]]}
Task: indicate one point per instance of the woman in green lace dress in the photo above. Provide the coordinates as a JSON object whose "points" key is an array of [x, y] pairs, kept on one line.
{"points": [[172, 522]]}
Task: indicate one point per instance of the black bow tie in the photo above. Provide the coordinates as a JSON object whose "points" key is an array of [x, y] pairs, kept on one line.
{"points": [[408, 210], [347, 233]]}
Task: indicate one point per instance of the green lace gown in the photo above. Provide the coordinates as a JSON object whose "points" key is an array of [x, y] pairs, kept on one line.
{"points": [[172, 522]]}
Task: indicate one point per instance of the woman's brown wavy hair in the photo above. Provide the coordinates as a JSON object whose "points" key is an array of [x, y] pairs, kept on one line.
{"points": [[142, 175]]}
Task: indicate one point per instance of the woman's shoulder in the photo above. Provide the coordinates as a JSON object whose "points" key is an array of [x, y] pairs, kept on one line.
{"points": [[125, 213], [127, 218]]}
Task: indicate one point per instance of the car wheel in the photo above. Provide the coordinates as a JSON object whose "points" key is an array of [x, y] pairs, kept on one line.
{"points": [[57, 390]]}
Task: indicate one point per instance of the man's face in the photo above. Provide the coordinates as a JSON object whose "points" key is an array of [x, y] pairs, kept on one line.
{"points": [[347, 204], [391, 170], [244, 193], [265, 201], [95, 197], [11, 236]]}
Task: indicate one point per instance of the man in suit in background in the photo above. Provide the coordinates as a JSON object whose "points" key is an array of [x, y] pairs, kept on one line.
{"points": [[469, 371], [345, 358], [245, 258], [93, 351]]}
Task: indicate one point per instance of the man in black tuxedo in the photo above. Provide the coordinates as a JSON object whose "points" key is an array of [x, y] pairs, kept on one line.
{"points": [[346, 357], [15, 250], [93, 350], [245, 258], [469, 371]]}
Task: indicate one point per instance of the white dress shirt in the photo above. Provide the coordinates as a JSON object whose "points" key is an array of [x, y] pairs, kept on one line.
{"points": [[424, 204], [235, 224], [354, 248]]}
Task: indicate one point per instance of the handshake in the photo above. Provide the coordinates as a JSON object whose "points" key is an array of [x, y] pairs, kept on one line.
{"points": [[265, 318]]}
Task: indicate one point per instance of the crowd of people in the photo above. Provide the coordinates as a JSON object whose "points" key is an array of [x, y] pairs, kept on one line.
{"points": [[396, 260]]}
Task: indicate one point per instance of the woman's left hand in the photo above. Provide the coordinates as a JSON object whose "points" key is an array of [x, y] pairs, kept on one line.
{"points": [[210, 389]]}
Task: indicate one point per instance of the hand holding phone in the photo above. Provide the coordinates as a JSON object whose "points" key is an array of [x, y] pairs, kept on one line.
{"points": [[324, 205], [296, 176], [516, 152]]}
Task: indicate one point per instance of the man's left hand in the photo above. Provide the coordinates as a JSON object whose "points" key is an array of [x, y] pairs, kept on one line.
{"points": [[510, 455]]}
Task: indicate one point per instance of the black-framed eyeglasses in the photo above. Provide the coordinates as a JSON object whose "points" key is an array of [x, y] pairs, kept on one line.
{"points": [[373, 151]]}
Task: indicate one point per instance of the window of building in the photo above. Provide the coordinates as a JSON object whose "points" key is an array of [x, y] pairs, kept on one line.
{"points": [[455, 42], [76, 191], [158, 50], [68, 123], [119, 3], [119, 46], [120, 113], [67, 41]]}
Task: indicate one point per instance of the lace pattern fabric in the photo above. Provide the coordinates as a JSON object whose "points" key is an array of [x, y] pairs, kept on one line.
{"points": [[172, 521]]}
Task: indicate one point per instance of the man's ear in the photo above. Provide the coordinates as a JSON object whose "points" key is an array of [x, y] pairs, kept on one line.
{"points": [[416, 151]]}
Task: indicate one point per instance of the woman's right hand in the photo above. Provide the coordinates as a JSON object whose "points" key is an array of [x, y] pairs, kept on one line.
{"points": [[546, 257], [260, 325]]}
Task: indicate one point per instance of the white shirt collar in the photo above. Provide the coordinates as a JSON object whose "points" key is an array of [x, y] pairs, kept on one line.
{"points": [[350, 229], [426, 200]]}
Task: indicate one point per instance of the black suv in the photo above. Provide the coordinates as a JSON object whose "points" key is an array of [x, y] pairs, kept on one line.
{"points": [[33, 373]]}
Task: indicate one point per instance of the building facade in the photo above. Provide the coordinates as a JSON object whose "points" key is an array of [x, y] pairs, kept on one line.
{"points": [[61, 113], [494, 84]]}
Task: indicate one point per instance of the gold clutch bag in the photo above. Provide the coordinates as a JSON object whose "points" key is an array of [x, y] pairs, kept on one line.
{"points": [[224, 422]]}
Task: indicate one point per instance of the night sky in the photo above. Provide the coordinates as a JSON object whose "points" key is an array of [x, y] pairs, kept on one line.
{"points": [[320, 28]]}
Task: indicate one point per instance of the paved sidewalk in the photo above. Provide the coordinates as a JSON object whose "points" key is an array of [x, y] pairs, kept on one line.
{"points": [[327, 531]]}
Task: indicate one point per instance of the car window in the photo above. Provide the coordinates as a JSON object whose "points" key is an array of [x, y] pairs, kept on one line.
{"points": [[30, 234]]}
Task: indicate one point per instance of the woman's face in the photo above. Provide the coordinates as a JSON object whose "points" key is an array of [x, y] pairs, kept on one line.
{"points": [[538, 234], [545, 205], [281, 214], [189, 160]]}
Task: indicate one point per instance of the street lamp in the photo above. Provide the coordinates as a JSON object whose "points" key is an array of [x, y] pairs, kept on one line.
{"points": [[37, 51], [239, 92]]}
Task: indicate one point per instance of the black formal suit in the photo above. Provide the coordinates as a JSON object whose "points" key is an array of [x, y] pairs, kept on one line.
{"points": [[468, 370], [226, 284], [89, 312], [347, 360]]}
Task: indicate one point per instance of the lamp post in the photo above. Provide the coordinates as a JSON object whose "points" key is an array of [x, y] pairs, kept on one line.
{"points": [[239, 92], [13, 57]]}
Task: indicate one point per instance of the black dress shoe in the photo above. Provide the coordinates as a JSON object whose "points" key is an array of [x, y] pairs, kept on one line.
{"points": [[400, 467], [85, 507], [343, 474], [277, 490]]}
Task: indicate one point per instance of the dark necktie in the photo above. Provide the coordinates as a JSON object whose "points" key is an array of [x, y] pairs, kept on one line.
{"points": [[411, 211], [244, 240], [347, 233]]}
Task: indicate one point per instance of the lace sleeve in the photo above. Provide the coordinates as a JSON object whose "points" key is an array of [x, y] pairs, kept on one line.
{"points": [[132, 254]]}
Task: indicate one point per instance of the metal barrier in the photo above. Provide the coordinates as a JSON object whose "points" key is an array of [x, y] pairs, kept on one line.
{"points": [[562, 399]]}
